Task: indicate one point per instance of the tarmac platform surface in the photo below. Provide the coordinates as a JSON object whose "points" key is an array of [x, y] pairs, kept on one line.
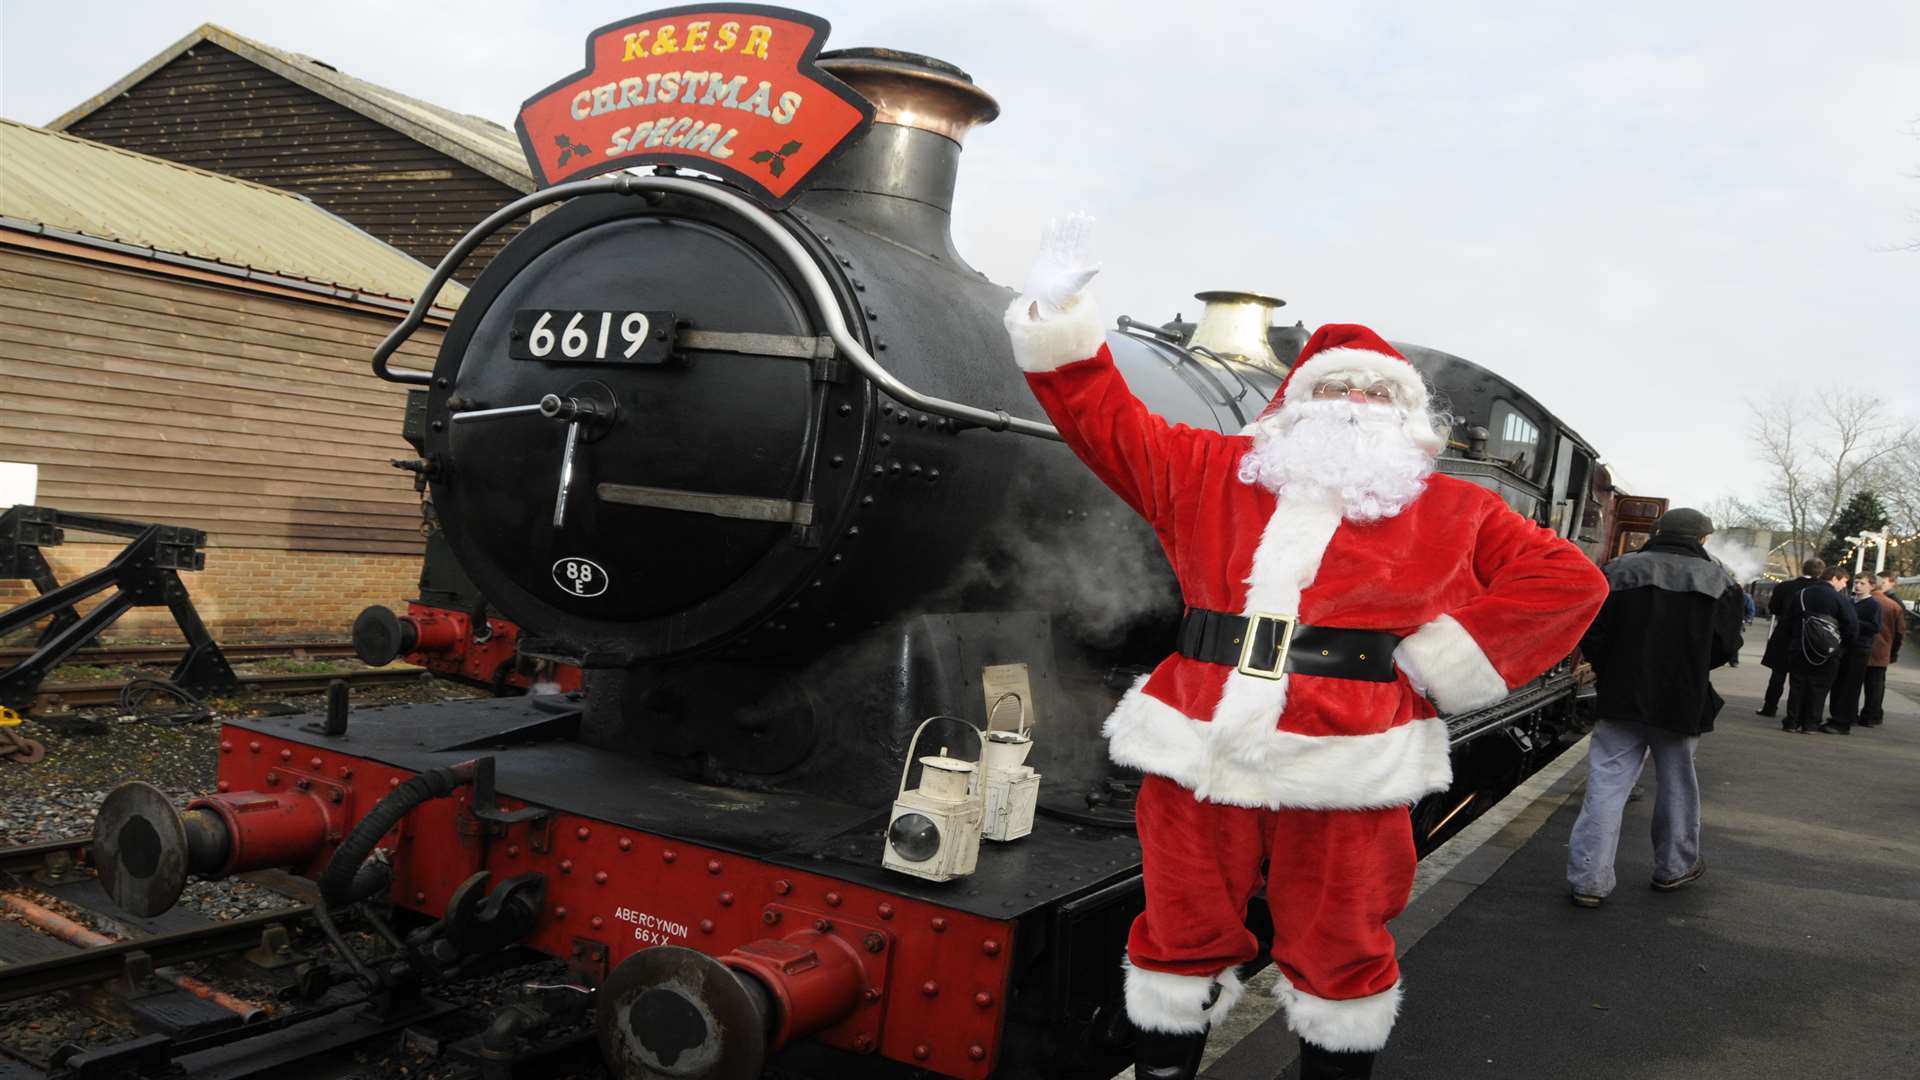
{"points": [[1797, 954]]}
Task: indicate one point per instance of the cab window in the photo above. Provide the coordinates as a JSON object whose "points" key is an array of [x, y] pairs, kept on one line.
{"points": [[1515, 439]]}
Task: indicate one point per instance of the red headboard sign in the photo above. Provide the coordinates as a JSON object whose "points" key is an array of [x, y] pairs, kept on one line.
{"points": [[729, 90]]}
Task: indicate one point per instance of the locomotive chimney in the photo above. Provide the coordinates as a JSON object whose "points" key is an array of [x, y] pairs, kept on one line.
{"points": [[899, 179], [1235, 324]]}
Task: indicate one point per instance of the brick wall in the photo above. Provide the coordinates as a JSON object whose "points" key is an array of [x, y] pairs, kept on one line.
{"points": [[252, 594]]}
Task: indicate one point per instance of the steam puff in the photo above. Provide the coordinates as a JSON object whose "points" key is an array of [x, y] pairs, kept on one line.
{"points": [[1746, 563], [1104, 568]]}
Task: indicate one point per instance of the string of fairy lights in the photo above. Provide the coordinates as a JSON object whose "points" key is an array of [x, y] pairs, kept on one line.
{"points": [[1854, 543], [1893, 541]]}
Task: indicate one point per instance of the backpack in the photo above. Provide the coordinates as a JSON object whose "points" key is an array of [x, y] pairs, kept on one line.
{"points": [[1819, 635]]}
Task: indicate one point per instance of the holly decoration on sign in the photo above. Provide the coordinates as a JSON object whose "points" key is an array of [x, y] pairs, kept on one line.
{"points": [[776, 160], [570, 149]]}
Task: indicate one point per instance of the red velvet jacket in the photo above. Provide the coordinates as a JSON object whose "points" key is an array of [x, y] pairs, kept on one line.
{"points": [[1486, 600]]}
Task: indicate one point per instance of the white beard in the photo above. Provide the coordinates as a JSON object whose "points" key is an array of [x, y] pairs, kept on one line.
{"points": [[1362, 455]]}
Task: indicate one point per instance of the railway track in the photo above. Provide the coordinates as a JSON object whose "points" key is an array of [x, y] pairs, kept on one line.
{"points": [[256, 978], [51, 909], [266, 1000], [167, 655], [54, 696]]}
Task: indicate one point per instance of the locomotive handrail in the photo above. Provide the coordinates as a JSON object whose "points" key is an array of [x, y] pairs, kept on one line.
{"points": [[1186, 357], [464, 247], [810, 273], [1225, 365]]}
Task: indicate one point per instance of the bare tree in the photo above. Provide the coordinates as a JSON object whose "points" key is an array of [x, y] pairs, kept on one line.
{"points": [[1778, 434], [1733, 512], [1819, 454], [1897, 481]]}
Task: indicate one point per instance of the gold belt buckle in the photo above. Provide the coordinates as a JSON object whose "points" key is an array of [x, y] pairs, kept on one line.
{"points": [[1279, 667]]}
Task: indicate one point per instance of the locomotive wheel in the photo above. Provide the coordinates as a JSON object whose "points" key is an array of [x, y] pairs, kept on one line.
{"points": [[673, 1012]]}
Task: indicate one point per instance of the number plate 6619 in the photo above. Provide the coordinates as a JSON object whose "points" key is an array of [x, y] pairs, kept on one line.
{"points": [[591, 337]]}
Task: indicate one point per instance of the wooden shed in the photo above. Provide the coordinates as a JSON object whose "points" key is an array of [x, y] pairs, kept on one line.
{"points": [[411, 173], [182, 347]]}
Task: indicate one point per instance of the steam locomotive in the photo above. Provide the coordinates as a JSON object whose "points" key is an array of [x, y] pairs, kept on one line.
{"points": [[772, 482]]}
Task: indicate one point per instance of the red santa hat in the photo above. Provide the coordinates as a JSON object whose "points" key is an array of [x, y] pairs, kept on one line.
{"points": [[1359, 354], [1349, 349]]}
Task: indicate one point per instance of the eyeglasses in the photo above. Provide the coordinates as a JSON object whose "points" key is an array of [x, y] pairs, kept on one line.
{"points": [[1380, 393]]}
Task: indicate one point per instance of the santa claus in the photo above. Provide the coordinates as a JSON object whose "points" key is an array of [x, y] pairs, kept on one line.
{"points": [[1338, 592]]}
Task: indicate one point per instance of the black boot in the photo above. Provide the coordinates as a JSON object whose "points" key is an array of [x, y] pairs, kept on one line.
{"points": [[1319, 1063], [1160, 1056]]}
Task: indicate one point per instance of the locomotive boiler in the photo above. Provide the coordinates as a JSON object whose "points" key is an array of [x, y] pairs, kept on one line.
{"points": [[772, 481], [770, 568]]}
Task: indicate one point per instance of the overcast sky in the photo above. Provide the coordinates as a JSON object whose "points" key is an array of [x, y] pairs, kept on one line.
{"points": [[1643, 213]]}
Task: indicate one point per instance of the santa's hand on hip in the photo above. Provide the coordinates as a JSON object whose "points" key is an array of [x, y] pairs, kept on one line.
{"points": [[1063, 268]]}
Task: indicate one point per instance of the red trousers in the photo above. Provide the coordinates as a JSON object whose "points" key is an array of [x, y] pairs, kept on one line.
{"points": [[1334, 878]]}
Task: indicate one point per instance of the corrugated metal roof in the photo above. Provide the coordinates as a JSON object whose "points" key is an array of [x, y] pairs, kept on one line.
{"points": [[70, 185], [475, 141]]}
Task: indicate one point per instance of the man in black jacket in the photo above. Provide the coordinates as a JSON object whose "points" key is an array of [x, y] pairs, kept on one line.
{"points": [[1813, 669], [1672, 614], [1783, 609], [1844, 709]]}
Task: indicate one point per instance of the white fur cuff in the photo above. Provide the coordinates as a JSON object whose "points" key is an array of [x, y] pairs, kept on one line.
{"points": [[1446, 665], [1054, 339], [1157, 1001], [1360, 1025]]}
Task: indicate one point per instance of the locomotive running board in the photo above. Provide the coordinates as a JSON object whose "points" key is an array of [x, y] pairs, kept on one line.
{"points": [[742, 507]]}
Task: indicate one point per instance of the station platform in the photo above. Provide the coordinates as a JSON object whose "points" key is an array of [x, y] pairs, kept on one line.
{"points": [[1796, 955]]}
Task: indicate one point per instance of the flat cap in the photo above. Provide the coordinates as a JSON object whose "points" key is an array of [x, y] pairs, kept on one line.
{"points": [[1683, 521]]}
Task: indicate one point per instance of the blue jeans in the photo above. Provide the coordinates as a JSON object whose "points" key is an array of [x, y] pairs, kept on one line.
{"points": [[1615, 755]]}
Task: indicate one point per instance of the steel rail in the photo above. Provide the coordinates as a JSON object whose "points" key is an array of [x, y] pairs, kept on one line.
{"points": [[27, 858], [107, 693], [103, 962], [58, 926], [92, 964], [104, 655], [812, 277]]}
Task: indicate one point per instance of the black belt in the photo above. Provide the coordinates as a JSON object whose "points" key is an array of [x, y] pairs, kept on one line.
{"points": [[1278, 645]]}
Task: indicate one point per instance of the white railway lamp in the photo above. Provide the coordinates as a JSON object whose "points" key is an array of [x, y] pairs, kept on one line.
{"points": [[934, 830], [1013, 787]]}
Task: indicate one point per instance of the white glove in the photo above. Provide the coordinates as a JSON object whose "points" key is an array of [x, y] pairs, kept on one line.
{"points": [[1063, 267]]}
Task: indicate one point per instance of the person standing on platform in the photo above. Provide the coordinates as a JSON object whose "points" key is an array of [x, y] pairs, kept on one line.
{"points": [[1885, 652], [1746, 620], [1784, 611], [1815, 652], [1890, 584], [1341, 594], [1844, 702], [1672, 614]]}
